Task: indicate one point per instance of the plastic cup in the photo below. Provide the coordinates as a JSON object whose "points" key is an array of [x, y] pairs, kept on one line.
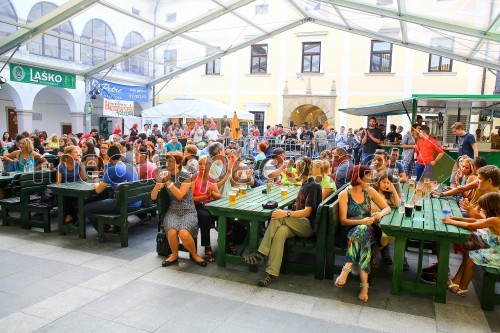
{"points": [[243, 191], [284, 192], [232, 197], [408, 210]]}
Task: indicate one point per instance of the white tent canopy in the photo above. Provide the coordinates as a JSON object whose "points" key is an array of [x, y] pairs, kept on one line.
{"points": [[193, 108]]}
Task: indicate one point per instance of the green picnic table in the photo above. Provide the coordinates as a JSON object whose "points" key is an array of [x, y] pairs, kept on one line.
{"points": [[424, 225], [10, 177], [79, 190], [247, 208]]}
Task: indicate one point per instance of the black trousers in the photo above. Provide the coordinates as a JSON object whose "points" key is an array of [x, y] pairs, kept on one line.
{"points": [[205, 222]]}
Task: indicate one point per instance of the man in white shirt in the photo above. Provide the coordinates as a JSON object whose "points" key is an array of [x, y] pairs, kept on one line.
{"points": [[341, 138], [146, 130]]}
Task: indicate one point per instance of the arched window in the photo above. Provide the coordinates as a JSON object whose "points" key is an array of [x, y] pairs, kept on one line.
{"points": [[96, 32], [47, 45], [7, 13], [138, 64]]}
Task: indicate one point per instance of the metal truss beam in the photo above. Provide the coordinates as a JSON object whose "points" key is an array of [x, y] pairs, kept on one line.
{"points": [[44, 23], [228, 51], [163, 37]]}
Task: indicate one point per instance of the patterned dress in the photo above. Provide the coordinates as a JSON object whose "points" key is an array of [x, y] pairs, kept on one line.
{"points": [[360, 237], [181, 214], [488, 257]]}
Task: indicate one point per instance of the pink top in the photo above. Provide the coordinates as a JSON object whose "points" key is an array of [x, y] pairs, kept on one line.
{"points": [[148, 169]]}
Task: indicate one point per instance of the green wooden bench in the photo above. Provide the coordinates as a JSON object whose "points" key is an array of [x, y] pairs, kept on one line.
{"points": [[331, 249], [125, 194], [30, 184], [314, 245], [488, 296]]}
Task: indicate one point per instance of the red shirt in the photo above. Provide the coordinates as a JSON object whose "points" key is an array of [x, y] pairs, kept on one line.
{"points": [[426, 149]]}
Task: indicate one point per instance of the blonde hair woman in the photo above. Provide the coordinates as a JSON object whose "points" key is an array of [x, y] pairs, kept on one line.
{"points": [[321, 172], [53, 142], [25, 156]]}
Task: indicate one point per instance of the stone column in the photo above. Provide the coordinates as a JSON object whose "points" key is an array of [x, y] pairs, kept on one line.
{"points": [[77, 120], [24, 120]]}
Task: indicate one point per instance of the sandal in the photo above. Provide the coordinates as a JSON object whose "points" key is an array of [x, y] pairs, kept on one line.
{"points": [[363, 297], [450, 284], [231, 249], [386, 256], [458, 291], [209, 255], [254, 259], [341, 283]]}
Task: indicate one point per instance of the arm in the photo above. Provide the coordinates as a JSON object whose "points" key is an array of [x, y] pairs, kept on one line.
{"points": [[279, 213], [476, 150], [58, 176], [460, 189], [179, 193], [478, 224], [343, 213], [12, 157], [100, 187], [156, 190], [374, 139], [402, 177], [440, 155], [365, 137], [83, 173], [380, 202], [40, 159], [325, 192]]}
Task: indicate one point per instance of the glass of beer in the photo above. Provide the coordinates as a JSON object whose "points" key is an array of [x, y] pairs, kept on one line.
{"points": [[284, 192], [270, 185], [434, 185], [408, 209], [232, 197], [411, 184], [243, 191]]}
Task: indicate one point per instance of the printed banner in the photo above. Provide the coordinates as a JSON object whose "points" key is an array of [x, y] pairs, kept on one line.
{"points": [[46, 77], [116, 108], [120, 92]]}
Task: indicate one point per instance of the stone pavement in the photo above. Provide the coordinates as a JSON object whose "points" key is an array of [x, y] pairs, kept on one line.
{"points": [[53, 283]]}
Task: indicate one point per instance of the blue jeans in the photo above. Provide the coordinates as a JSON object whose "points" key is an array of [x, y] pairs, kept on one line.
{"points": [[423, 170], [366, 158]]}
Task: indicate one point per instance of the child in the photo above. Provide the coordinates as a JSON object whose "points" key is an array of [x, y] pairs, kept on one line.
{"points": [[490, 257], [389, 193]]}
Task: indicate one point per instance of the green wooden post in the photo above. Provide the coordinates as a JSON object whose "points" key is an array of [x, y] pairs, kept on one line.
{"points": [[81, 218], [414, 111], [444, 260], [221, 240], [60, 215], [399, 254], [254, 239]]}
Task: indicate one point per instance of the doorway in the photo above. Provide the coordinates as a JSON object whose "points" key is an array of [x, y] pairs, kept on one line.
{"points": [[12, 121], [65, 128]]}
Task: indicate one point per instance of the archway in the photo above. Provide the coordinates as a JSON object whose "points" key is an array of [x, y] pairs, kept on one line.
{"points": [[310, 114], [51, 110]]}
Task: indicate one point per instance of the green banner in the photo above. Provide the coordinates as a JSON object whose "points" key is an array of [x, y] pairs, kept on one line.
{"points": [[46, 77]]}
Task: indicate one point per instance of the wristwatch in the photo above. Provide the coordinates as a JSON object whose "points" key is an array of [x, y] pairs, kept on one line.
{"points": [[288, 214]]}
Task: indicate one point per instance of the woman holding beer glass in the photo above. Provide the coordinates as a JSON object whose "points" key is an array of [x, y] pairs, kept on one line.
{"points": [[356, 234], [180, 221]]}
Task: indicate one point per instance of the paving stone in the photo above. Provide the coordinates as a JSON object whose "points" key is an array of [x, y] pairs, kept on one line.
{"points": [[257, 317], [118, 328], [148, 317], [77, 275], [109, 306], [384, 320], [104, 263], [63, 303], [185, 322], [112, 280], [19, 322], [459, 318], [293, 322], [74, 322]]}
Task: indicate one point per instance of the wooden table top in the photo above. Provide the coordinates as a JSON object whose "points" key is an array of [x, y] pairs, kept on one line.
{"points": [[427, 221], [73, 188], [253, 202]]}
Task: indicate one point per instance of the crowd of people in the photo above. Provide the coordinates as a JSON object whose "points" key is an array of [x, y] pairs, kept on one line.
{"points": [[209, 164]]}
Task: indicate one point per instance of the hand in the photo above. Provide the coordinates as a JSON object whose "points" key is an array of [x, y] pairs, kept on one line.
{"points": [[446, 220], [464, 204], [377, 216], [368, 220], [435, 192], [278, 214], [165, 176], [433, 162]]}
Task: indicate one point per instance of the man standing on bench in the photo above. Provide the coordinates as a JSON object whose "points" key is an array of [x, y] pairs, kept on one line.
{"points": [[116, 173], [287, 224]]}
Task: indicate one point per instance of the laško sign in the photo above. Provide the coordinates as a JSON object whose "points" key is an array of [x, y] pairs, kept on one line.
{"points": [[35, 75]]}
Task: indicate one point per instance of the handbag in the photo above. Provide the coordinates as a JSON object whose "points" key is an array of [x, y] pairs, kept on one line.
{"points": [[162, 247]]}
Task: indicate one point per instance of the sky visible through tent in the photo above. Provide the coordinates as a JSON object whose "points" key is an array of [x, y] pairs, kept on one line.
{"points": [[206, 30]]}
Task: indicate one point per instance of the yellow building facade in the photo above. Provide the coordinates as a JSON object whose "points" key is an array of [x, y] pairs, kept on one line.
{"points": [[288, 95]]}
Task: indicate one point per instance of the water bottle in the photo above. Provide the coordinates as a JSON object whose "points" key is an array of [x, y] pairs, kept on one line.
{"points": [[401, 208], [446, 209]]}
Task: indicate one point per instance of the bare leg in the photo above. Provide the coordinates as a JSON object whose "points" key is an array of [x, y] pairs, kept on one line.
{"points": [[342, 279], [468, 273], [458, 276], [363, 293], [375, 253], [188, 243], [173, 242]]}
